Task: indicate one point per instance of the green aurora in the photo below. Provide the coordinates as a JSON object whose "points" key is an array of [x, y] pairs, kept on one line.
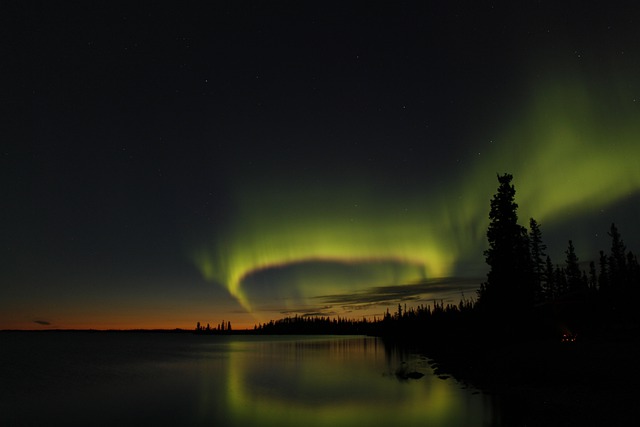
{"points": [[572, 145]]}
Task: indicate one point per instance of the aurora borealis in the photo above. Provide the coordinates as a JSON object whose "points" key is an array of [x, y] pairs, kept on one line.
{"points": [[572, 155], [247, 162]]}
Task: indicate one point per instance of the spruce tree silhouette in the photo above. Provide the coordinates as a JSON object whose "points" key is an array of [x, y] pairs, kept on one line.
{"points": [[617, 261], [560, 281], [603, 277], [633, 272], [537, 248], [549, 290], [574, 275], [593, 276], [508, 291]]}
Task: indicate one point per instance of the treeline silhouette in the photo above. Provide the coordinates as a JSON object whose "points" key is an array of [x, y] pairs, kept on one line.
{"points": [[312, 325], [525, 296], [526, 292], [403, 323], [222, 328]]}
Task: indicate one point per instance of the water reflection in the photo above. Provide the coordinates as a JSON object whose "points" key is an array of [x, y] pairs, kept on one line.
{"points": [[337, 381], [184, 379]]}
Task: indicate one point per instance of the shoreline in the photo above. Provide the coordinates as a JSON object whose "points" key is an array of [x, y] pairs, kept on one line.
{"points": [[557, 384]]}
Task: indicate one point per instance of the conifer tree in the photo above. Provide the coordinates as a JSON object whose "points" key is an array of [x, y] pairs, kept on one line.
{"points": [[593, 277], [633, 278], [573, 273], [584, 281], [549, 289], [617, 260], [603, 276], [560, 278], [537, 249], [509, 281]]}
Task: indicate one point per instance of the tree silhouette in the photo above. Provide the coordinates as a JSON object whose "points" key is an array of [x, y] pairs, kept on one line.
{"points": [[593, 276], [617, 260], [560, 278], [573, 273], [509, 285], [549, 289], [603, 277], [537, 248]]}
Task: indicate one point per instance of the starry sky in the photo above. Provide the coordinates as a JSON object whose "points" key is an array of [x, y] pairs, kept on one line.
{"points": [[163, 165]]}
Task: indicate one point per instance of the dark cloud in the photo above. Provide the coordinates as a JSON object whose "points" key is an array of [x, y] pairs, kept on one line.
{"points": [[312, 312], [448, 289], [42, 322], [445, 288]]}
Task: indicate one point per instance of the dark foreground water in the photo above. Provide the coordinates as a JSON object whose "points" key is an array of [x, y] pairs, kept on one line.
{"points": [[82, 378]]}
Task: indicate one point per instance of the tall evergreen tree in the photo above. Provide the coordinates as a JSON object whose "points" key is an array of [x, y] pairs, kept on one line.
{"points": [[537, 249], [617, 260], [549, 287], [593, 277], [509, 284], [560, 278], [584, 281], [633, 276], [574, 275], [603, 276]]}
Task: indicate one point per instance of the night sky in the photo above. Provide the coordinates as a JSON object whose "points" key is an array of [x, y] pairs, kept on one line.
{"points": [[250, 160]]}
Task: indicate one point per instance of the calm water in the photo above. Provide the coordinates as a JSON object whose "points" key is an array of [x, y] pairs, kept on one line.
{"points": [[63, 378]]}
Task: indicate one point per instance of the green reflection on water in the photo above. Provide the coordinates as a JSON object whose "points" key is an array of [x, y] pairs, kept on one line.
{"points": [[335, 381]]}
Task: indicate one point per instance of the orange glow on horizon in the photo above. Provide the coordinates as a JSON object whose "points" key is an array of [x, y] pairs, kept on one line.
{"points": [[183, 321]]}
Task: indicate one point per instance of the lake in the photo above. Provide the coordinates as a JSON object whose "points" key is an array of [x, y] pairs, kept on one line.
{"points": [[105, 378]]}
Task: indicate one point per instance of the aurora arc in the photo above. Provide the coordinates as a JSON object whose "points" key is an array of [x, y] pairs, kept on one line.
{"points": [[572, 147]]}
